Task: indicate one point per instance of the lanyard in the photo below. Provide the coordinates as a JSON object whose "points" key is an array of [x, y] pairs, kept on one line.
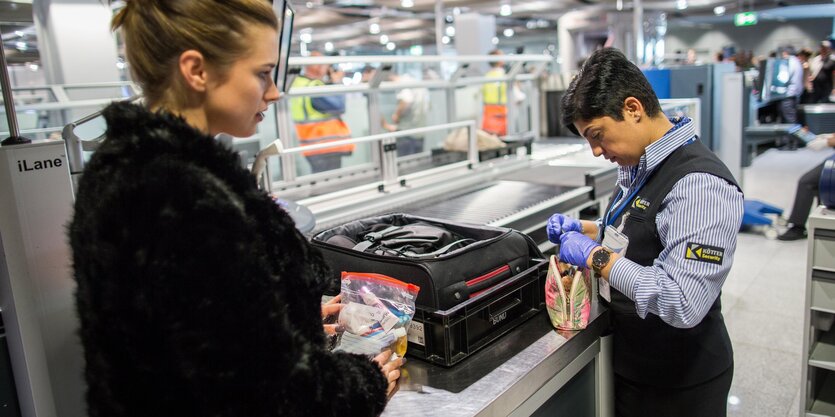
{"points": [[614, 212]]}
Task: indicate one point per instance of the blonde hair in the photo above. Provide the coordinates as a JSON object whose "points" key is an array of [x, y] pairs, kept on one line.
{"points": [[156, 32]]}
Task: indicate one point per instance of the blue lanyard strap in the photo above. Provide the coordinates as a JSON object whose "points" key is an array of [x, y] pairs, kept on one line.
{"points": [[613, 212]]}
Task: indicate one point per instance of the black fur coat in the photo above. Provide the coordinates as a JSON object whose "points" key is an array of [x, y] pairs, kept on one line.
{"points": [[197, 296]]}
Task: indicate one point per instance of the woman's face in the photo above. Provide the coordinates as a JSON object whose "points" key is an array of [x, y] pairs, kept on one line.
{"points": [[236, 102]]}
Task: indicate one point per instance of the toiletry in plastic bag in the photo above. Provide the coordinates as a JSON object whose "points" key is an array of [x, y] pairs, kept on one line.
{"points": [[376, 312], [567, 295]]}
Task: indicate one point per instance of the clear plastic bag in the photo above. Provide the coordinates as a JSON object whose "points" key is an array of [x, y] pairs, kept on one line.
{"points": [[376, 312], [567, 295]]}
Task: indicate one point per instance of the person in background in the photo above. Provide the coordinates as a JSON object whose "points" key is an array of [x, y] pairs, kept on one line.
{"points": [[411, 112], [692, 58], [804, 56], [663, 248], [319, 119], [821, 69], [196, 294], [494, 97], [787, 106], [807, 189]]}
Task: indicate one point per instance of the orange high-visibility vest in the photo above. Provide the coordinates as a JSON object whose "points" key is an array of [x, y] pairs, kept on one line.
{"points": [[313, 126], [494, 116]]}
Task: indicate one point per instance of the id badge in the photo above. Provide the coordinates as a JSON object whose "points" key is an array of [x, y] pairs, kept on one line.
{"points": [[616, 242]]}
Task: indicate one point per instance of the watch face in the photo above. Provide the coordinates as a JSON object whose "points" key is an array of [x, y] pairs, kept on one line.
{"points": [[600, 258]]}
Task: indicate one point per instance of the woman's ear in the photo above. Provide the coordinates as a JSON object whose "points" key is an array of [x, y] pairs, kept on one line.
{"points": [[633, 108], [193, 70]]}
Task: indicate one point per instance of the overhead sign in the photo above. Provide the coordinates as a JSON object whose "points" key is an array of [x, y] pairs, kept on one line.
{"points": [[745, 19]]}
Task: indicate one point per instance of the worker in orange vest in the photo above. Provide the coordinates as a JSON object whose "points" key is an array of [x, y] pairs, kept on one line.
{"points": [[494, 96], [318, 119]]}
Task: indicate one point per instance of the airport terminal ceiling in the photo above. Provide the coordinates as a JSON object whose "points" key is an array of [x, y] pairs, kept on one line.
{"points": [[355, 26]]}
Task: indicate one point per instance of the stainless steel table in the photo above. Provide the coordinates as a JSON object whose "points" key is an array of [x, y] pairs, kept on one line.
{"points": [[515, 375]]}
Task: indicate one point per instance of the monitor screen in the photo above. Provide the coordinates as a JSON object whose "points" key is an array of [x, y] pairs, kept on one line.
{"points": [[285, 15]]}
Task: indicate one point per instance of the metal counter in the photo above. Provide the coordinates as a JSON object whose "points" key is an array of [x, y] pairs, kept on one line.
{"points": [[514, 375]]}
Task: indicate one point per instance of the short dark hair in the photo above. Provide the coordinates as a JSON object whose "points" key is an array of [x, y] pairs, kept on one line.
{"points": [[605, 81]]}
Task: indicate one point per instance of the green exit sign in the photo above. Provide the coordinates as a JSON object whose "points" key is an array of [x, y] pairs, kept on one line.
{"points": [[745, 19]]}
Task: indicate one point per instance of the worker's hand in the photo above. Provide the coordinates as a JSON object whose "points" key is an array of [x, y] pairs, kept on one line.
{"points": [[575, 248], [329, 309], [390, 368], [559, 224]]}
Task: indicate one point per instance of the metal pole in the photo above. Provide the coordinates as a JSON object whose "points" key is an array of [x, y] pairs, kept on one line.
{"points": [[638, 28], [8, 103], [439, 26]]}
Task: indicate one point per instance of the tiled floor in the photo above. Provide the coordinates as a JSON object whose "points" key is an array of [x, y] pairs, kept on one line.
{"points": [[763, 297]]}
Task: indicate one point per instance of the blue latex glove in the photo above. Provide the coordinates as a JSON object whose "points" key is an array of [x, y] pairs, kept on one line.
{"points": [[575, 248], [559, 224]]}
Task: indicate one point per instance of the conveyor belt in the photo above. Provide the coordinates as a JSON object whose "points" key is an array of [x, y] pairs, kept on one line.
{"points": [[486, 205]]}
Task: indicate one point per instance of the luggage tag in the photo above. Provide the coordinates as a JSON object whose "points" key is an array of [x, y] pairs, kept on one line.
{"points": [[616, 242]]}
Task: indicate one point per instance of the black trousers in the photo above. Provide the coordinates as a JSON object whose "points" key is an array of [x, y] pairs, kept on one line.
{"points": [[807, 190], [788, 110], [708, 399]]}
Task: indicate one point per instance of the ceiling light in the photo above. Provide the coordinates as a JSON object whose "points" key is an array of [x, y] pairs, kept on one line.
{"points": [[390, 46], [445, 40], [309, 4], [34, 66], [306, 37], [505, 10], [329, 46], [119, 64], [508, 32], [19, 33], [719, 10], [21, 46], [456, 11], [450, 31], [681, 4], [530, 24], [384, 39], [495, 40], [407, 3], [374, 28], [449, 18], [619, 5], [542, 23]]}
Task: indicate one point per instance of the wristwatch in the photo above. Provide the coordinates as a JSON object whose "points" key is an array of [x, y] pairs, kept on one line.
{"points": [[600, 259]]}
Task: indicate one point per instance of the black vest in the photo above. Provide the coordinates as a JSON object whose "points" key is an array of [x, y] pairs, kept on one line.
{"points": [[649, 350]]}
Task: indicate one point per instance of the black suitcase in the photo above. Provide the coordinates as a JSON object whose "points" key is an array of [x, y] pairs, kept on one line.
{"points": [[449, 269]]}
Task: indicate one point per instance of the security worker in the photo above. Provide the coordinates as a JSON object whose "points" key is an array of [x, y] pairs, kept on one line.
{"points": [[318, 120], [663, 248], [494, 96]]}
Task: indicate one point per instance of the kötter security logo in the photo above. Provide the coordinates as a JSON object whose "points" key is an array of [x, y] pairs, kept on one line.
{"points": [[641, 204], [704, 253]]}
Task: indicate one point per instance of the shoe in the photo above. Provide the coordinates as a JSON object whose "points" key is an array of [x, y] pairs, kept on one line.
{"points": [[794, 233]]}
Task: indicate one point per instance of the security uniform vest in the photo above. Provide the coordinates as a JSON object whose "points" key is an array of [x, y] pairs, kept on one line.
{"points": [[649, 350], [494, 117], [313, 126]]}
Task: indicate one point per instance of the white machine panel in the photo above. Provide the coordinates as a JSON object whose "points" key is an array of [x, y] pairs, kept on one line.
{"points": [[36, 286]]}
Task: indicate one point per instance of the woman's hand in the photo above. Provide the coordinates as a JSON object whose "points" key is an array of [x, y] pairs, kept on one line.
{"points": [[331, 308], [390, 369]]}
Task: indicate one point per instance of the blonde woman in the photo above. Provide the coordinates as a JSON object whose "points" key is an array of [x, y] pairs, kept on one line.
{"points": [[197, 295]]}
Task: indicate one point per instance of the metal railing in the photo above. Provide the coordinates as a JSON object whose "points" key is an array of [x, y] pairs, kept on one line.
{"points": [[388, 163]]}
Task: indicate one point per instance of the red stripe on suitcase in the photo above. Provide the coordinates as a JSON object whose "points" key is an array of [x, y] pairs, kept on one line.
{"points": [[488, 275]]}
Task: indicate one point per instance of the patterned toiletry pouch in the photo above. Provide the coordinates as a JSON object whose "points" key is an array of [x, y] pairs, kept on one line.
{"points": [[567, 295]]}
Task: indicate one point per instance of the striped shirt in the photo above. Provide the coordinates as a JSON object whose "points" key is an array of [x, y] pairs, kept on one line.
{"points": [[700, 208]]}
